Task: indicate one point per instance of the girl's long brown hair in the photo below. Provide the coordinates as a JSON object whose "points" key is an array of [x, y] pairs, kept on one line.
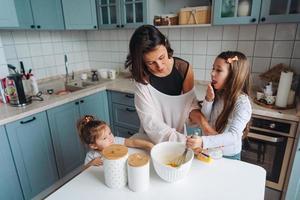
{"points": [[237, 83]]}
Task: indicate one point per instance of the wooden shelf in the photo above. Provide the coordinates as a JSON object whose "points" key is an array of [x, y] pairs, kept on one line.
{"points": [[185, 26]]}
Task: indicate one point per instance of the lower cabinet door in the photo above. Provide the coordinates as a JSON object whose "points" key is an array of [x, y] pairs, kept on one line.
{"points": [[125, 116], [32, 150], [124, 132], [69, 151], [9, 183], [96, 105]]}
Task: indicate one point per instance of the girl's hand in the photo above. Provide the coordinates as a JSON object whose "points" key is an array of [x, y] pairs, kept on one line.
{"points": [[196, 117], [194, 142], [96, 162], [210, 94]]}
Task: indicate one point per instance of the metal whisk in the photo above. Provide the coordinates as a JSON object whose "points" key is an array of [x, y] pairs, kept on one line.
{"points": [[178, 161]]}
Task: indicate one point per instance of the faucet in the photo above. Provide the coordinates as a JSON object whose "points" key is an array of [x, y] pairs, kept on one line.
{"points": [[66, 67]]}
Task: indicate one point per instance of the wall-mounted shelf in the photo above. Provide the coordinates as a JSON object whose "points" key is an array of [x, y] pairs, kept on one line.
{"points": [[185, 26]]}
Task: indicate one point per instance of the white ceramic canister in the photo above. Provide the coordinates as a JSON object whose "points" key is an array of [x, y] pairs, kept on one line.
{"points": [[114, 164], [111, 74], [138, 172]]}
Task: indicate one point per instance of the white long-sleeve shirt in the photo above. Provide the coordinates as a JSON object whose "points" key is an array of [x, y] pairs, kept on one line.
{"points": [[231, 138], [163, 116]]}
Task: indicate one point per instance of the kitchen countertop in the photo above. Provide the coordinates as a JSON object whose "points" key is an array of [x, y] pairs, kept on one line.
{"points": [[221, 179], [10, 114]]}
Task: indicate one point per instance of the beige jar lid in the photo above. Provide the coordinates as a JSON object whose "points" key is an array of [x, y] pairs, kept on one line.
{"points": [[138, 159], [114, 151]]}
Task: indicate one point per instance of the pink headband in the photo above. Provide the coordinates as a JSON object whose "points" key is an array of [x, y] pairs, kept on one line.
{"points": [[230, 60]]}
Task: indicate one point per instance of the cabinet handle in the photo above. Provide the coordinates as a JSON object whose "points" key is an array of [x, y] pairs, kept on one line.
{"points": [[81, 101], [129, 133], [32, 26], [76, 103], [95, 26], [131, 96], [263, 19], [38, 26], [122, 26], [253, 20], [272, 125], [30, 120], [130, 109], [118, 26]]}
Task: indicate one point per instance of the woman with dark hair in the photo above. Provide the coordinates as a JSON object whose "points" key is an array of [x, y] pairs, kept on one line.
{"points": [[164, 85]]}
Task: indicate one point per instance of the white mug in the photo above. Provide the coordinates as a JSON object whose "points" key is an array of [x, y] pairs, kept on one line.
{"points": [[111, 73], [103, 73], [84, 76]]}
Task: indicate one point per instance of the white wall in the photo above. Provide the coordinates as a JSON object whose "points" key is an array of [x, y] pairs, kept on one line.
{"points": [[3, 64], [265, 46]]}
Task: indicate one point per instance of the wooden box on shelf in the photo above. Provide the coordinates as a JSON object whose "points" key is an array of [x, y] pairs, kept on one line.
{"points": [[195, 15], [166, 20]]}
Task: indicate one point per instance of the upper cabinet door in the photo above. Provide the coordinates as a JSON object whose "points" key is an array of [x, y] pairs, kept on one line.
{"points": [[134, 12], [9, 182], [47, 14], [108, 13], [275, 11], [24, 14], [8, 16], [80, 14], [33, 153], [236, 11]]}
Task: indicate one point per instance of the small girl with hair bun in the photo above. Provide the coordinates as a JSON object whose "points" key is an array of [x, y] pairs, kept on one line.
{"points": [[97, 135]]}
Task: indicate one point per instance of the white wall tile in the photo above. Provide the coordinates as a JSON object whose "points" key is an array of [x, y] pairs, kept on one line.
{"points": [[67, 47], [27, 63], [186, 47], [57, 47], [215, 33], [209, 62], [247, 32], [187, 57], [200, 33], [113, 35], [246, 47], [47, 48], [19, 37], [45, 36], [187, 34], [2, 56], [175, 45], [263, 48], [231, 32], [35, 49], [174, 34], [260, 64], [213, 47], [208, 75], [265, 32], [199, 61], [298, 32], [56, 36], [3, 71], [285, 31], [122, 34], [37, 62], [199, 74], [275, 61], [7, 38], [282, 49], [257, 81], [49, 60], [295, 65], [200, 47], [10, 52], [33, 36], [296, 52], [229, 46], [22, 50]]}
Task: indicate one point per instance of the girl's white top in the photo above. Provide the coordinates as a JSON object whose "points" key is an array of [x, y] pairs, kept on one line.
{"points": [[92, 154], [231, 138], [163, 116]]}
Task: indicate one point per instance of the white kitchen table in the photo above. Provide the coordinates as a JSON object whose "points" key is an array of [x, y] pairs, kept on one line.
{"points": [[221, 179]]}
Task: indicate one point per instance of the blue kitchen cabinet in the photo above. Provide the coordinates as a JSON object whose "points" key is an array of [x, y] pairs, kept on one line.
{"points": [[293, 190], [69, 151], [275, 11], [253, 12], [121, 13], [9, 182], [33, 153], [40, 14], [8, 16], [96, 105], [236, 12], [80, 14]]}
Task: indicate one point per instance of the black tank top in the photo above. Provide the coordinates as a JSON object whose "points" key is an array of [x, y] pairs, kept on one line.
{"points": [[171, 84]]}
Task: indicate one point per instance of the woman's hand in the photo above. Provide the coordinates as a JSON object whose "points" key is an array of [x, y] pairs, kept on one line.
{"points": [[210, 94], [196, 117], [96, 162], [194, 142]]}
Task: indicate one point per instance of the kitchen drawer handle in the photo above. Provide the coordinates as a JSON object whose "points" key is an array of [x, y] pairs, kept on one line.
{"points": [[131, 96], [130, 133], [130, 109], [81, 101], [30, 120], [265, 138]]}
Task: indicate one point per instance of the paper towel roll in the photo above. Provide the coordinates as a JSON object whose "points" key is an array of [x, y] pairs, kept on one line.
{"points": [[291, 97], [138, 172], [284, 87], [114, 164]]}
